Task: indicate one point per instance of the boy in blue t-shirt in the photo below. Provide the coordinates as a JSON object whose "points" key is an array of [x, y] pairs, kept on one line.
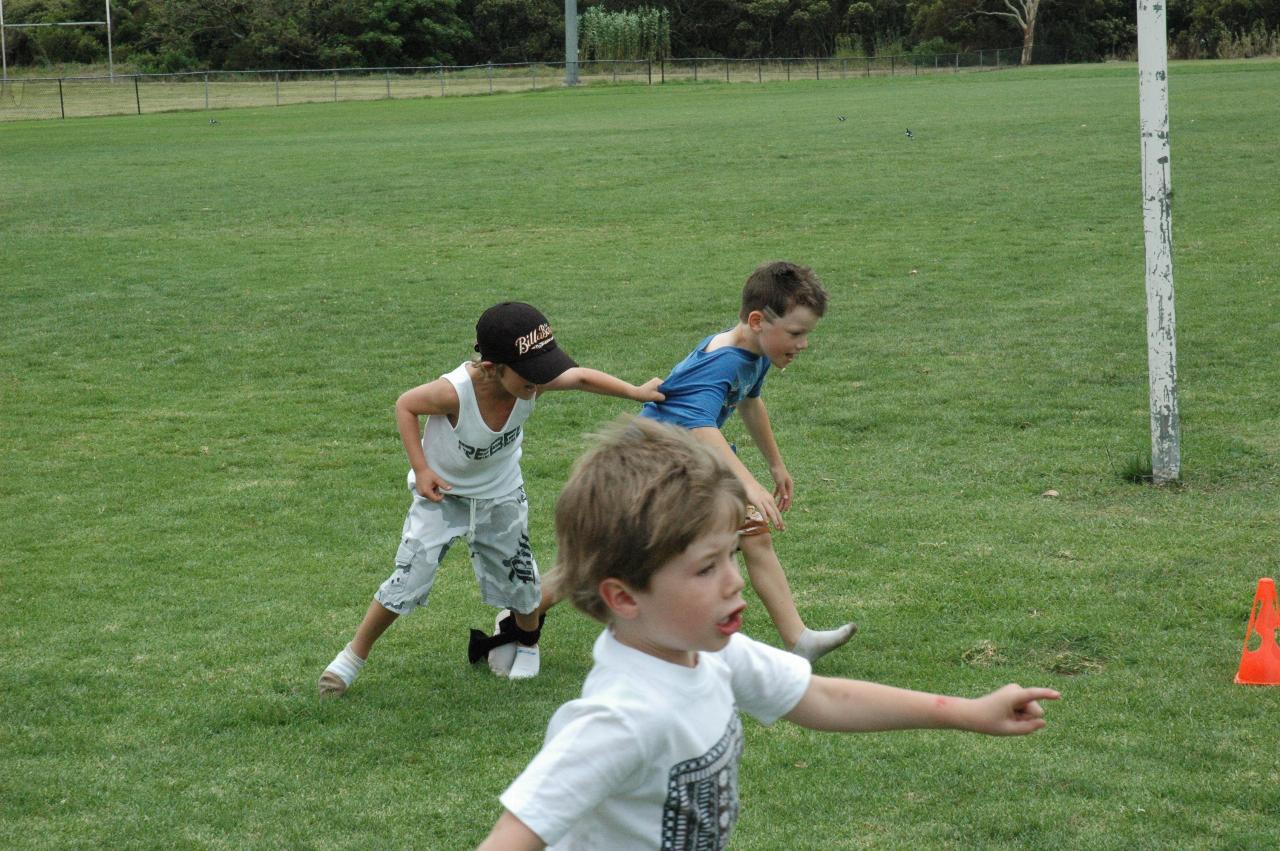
{"points": [[781, 305]]}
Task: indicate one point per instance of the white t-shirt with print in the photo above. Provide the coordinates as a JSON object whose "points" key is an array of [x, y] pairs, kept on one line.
{"points": [[648, 756], [479, 462]]}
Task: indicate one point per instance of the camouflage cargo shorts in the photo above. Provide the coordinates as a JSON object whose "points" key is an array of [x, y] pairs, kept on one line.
{"points": [[497, 533]]}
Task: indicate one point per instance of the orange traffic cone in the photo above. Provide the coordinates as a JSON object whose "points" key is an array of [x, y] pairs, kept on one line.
{"points": [[1261, 666]]}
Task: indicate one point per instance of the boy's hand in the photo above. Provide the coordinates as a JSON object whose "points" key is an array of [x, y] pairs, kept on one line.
{"points": [[648, 392], [766, 505], [1010, 711], [429, 484], [782, 487]]}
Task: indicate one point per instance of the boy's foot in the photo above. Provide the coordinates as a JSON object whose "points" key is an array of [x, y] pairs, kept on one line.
{"points": [[332, 685], [340, 674], [501, 658], [528, 661], [814, 644]]}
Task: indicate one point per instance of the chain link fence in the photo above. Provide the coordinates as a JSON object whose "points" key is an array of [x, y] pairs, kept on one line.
{"points": [[124, 94]]}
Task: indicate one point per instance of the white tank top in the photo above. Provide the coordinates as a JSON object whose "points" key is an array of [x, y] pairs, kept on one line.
{"points": [[479, 462]]}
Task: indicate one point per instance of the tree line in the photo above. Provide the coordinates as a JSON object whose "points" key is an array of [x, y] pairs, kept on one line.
{"points": [[177, 35]]}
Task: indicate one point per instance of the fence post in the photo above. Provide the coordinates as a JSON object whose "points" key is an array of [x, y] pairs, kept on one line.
{"points": [[206, 91], [441, 81], [388, 85], [817, 67], [61, 104], [893, 65], [760, 70], [137, 98], [726, 70], [957, 63], [979, 60], [534, 69], [489, 74], [335, 85], [277, 76], [648, 63], [786, 63], [695, 69], [662, 69], [868, 71], [844, 68]]}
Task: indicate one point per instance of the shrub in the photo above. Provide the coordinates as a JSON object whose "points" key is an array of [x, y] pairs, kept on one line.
{"points": [[641, 34], [1255, 41], [936, 46]]}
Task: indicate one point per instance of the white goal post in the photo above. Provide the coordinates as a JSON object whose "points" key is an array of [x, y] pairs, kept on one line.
{"points": [[4, 46], [1157, 221]]}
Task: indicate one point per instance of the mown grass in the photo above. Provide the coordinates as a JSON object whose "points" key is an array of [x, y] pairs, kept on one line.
{"points": [[205, 326]]}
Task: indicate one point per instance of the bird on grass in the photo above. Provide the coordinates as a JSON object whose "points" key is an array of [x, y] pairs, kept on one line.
{"points": [[910, 135], [841, 118], [212, 121]]}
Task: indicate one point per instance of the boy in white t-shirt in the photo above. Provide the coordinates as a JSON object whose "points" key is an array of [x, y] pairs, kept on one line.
{"points": [[648, 757], [466, 483]]}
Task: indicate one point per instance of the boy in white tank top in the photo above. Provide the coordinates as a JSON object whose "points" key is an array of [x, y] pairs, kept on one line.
{"points": [[466, 483]]}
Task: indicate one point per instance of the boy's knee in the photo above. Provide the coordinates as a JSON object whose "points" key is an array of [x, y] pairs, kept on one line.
{"points": [[409, 585], [756, 543]]}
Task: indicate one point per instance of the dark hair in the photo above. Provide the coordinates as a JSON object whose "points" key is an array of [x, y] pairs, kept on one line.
{"points": [[778, 286]]}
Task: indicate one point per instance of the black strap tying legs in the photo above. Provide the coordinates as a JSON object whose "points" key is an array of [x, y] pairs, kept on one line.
{"points": [[508, 631]]}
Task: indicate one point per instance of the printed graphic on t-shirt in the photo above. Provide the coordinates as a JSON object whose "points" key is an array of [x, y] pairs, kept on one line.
{"points": [[702, 796], [479, 453], [731, 400]]}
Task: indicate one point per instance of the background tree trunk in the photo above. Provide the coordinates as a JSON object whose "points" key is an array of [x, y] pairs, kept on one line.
{"points": [[1031, 7], [1023, 13]]}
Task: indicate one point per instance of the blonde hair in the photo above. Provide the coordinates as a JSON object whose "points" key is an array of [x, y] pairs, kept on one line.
{"points": [[635, 500], [492, 373]]}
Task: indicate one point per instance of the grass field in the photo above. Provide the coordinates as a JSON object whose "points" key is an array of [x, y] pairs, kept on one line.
{"points": [[203, 329]]}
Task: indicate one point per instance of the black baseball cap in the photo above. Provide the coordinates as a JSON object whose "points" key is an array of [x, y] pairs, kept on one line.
{"points": [[518, 335]]}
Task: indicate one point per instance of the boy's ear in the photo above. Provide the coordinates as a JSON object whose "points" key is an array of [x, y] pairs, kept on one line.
{"points": [[755, 319], [619, 598]]}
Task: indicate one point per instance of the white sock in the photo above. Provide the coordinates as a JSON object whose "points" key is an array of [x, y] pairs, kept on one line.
{"points": [[346, 665], [501, 658], [528, 661], [814, 644]]}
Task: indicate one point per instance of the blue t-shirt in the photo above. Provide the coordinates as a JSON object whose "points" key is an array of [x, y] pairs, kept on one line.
{"points": [[705, 388]]}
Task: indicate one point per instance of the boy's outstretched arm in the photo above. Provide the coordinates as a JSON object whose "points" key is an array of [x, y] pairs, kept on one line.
{"points": [[510, 834], [595, 381], [858, 706]]}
